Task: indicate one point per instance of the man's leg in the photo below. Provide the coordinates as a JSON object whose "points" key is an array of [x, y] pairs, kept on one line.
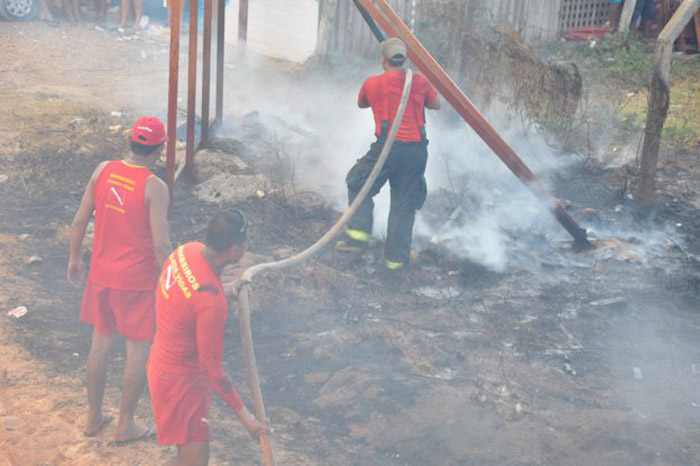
{"points": [[96, 380], [408, 193], [191, 454], [46, 11], [359, 229], [125, 6], [138, 12], [133, 385]]}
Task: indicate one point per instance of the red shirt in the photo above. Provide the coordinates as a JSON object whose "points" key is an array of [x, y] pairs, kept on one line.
{"points": [[383, 93], [191, 313], [123, 254]]}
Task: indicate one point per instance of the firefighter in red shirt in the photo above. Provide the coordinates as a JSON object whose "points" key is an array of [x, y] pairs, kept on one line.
{"points": [[405, 166], [130, 243], [186, 360]]}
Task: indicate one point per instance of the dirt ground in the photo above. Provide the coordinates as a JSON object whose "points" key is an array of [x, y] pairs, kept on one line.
{"points": [[587, 359]]}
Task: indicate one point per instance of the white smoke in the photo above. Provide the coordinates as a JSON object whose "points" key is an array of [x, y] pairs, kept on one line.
{"points": [[499, 203], [458, 160]]}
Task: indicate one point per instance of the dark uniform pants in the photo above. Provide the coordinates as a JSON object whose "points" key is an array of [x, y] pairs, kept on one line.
{"points": [[405, 170]]}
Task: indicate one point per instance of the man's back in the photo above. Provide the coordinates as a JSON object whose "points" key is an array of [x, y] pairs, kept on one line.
{"points": [[383, 93], [123, 254], [187, 287]]}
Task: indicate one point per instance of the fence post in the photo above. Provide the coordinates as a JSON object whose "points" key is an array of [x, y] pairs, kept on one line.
{"points": [[660, 99], [626, 17], [192, 85], [175, 17], [220, 36], [206, 72]]}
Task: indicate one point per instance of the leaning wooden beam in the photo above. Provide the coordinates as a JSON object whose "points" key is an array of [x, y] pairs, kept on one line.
{"points": [[660, 99]]}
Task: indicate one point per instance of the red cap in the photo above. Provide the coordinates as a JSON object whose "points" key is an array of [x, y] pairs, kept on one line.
{"points": [[148, 131]]}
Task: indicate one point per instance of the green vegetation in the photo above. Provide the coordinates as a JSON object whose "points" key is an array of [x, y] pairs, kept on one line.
{"points": [[617, 73]]}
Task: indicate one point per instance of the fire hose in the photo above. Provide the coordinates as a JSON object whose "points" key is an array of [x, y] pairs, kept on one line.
{"points": [[249, 274]]}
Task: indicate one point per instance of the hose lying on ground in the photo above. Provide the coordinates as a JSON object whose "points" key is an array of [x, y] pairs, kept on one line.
{"points": [[248, 275]]}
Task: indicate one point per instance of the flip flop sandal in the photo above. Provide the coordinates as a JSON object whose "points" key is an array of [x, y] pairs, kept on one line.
{"points": [[149, 433]]}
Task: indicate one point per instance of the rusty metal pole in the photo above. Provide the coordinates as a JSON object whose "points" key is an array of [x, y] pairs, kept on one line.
{"points": [[192, 86], [394, 26], [206, 73], [220, 34], [175, 17], [242, 27]]}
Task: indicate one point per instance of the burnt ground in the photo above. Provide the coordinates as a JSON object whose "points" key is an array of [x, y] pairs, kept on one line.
{"points": [[455, 365]]}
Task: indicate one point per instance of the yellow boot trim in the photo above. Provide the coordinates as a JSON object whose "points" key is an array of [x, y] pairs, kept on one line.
{"points": [[358, 235], [346, 246], [391, 265]]}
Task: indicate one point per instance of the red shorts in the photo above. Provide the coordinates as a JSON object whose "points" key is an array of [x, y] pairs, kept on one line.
{"points": [[130, 313], [180, 406]]}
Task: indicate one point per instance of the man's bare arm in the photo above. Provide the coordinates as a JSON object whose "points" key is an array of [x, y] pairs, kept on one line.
{"points": [[210, 346], [76, 267], [157, 199]]}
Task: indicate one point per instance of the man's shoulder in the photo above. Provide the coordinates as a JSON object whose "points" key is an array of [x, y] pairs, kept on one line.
{"points": [[154, 180], [373, 79], [420, 78], [155, 187], [101, 167]]}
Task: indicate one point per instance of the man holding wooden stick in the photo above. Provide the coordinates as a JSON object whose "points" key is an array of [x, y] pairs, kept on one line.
{"points": [[186, 359]]}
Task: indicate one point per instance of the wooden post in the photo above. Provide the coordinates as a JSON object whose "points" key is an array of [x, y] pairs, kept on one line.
{"points": [[242, 27], [660, 99], [175, 17], [626, 17], [325, 27], [192, 86], [206, 72], [220, 35]]}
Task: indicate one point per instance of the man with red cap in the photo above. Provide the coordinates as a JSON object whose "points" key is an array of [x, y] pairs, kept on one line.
{"points": [[130, 243], [405, 166]]}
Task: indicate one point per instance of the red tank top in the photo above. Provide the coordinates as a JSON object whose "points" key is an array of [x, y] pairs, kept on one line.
{"points": [[123, 255]]}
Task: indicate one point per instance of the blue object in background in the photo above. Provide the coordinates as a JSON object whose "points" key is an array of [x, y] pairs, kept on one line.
{"points": [[155, 10], [200, 22]]}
